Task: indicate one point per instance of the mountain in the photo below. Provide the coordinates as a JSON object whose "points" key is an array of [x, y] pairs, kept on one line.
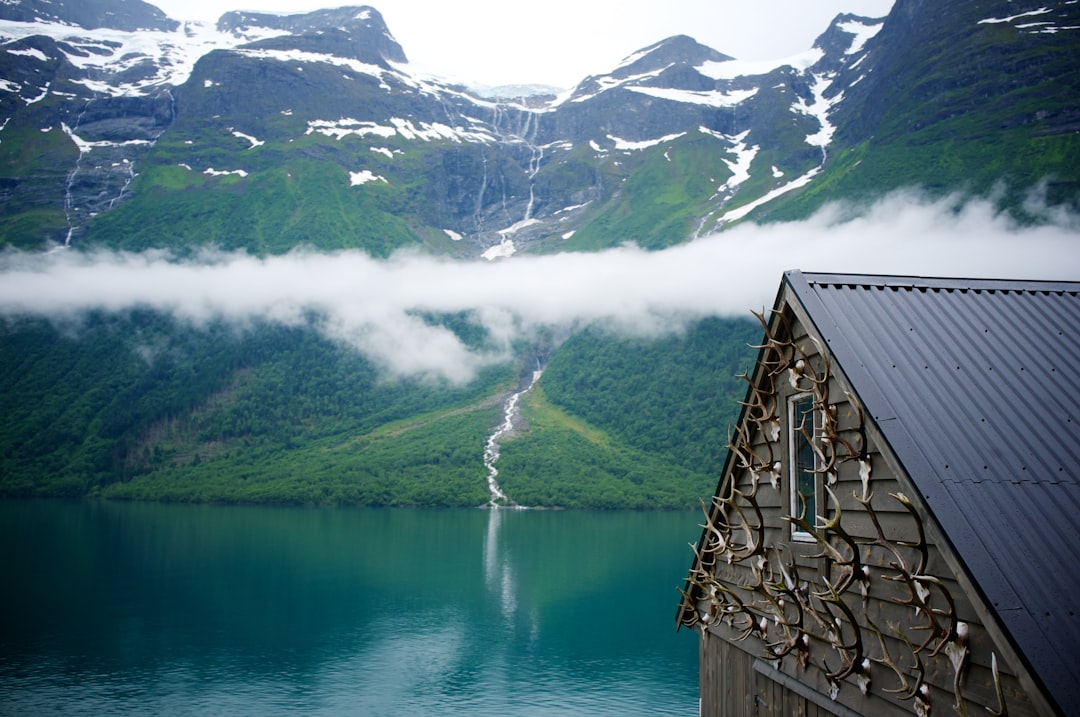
{"points": [[965, 95], [121, 128], [111, 136], [126, 15]]}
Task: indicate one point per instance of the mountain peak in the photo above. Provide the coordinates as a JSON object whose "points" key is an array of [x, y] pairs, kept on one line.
{"points": [[352, 31], [848, 33], [675, 50], [126, 15]]}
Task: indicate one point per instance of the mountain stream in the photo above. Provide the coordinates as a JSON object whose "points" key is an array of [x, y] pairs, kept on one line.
{"points": [[499, 499]]}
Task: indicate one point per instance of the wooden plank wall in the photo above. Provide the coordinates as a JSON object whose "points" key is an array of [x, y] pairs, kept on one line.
{"points": [[731, 687], [729, 683]]}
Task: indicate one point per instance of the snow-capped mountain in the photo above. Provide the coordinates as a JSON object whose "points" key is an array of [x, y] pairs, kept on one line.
{"points": [[127, 15], [113, 116], [262, 133]]}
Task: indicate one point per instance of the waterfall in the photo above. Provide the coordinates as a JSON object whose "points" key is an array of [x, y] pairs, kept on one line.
{"points": [[69, 202], [491, 449], [110, 177], [534, 167], [521, 128]]}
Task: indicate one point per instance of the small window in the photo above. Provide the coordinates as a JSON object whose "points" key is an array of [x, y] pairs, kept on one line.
{"points": [[805, 485]]}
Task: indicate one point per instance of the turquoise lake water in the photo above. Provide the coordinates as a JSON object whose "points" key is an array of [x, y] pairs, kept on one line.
{"points": [[114, 608]]}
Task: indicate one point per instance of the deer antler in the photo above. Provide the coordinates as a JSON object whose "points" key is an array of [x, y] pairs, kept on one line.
{"points": [[920, 545], [762, 404], [848, 663], [828, 550], [906, 690], [755, 532], [774, 356], [746, 457], [803, 368]]}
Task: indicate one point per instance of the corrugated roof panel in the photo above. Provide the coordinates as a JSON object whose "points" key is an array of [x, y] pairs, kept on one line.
{"points": [[975, 385]]}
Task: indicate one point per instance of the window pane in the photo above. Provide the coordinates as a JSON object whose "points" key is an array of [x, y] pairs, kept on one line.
{"points": [[805, 479]]}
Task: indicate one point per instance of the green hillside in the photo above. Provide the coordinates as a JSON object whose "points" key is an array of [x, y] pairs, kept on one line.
{"points": [[142, 407]]}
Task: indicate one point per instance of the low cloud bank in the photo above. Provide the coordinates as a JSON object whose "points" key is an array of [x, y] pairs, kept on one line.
{"points": [[377, 306]]}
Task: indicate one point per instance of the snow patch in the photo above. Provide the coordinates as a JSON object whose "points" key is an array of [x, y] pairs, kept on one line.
{"points": [[85, 145], [428, 132], [628, 145], [308, 58], [454, 236], [363, 177], [222, 173], [109, 53], [819, 109], [745, 209], [31, 52], [606, 82], [740, 168], [251, 140], [861, 32], [1010, 18], [1040, 27], [502, 250], [572, 207], [710, 98], [39, 98], [347, 126], [518, 226], [730, 69]]}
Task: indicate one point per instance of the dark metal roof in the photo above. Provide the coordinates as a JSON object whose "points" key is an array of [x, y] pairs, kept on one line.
{"points": [[975, 385]]}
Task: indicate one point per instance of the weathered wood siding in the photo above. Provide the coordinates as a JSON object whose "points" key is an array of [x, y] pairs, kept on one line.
{"points": [[873, 614], [730, 685]]}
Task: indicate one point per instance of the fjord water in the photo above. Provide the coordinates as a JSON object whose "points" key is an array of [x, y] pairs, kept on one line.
{"points": [[116, 608]]}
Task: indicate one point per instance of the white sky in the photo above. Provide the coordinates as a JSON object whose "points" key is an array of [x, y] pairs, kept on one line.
{"points": [[560, 42]]}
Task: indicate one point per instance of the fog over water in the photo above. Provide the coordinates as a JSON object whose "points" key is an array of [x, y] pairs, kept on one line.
{"points": [[378, 305]]}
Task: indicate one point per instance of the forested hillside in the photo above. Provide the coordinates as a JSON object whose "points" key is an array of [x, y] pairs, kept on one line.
{"points": [[631, 423], [143, 407]]}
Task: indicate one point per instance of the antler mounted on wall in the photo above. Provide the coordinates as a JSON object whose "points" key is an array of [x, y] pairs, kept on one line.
{"points": [[755, 589]]}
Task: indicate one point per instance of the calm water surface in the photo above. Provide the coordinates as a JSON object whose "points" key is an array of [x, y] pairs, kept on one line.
{"points": [[110, 608]]}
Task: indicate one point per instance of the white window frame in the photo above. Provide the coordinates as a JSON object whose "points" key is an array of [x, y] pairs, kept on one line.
{"points": [[794, 436]]}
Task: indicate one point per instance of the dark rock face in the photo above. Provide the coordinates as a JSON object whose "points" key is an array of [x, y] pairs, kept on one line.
{"points": [[969, 55], [126, 15], [358, 32]]}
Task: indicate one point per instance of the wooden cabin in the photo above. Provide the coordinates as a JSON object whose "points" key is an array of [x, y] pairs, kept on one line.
{"points": [[897, 527]]}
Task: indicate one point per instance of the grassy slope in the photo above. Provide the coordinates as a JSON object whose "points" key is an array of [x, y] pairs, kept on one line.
{"points": [[563, 461], [608, 428], [33, 212], [655, 196]]}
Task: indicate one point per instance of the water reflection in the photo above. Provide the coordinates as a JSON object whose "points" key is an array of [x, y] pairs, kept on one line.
{"points": [[135, 609], [499, 575]]}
